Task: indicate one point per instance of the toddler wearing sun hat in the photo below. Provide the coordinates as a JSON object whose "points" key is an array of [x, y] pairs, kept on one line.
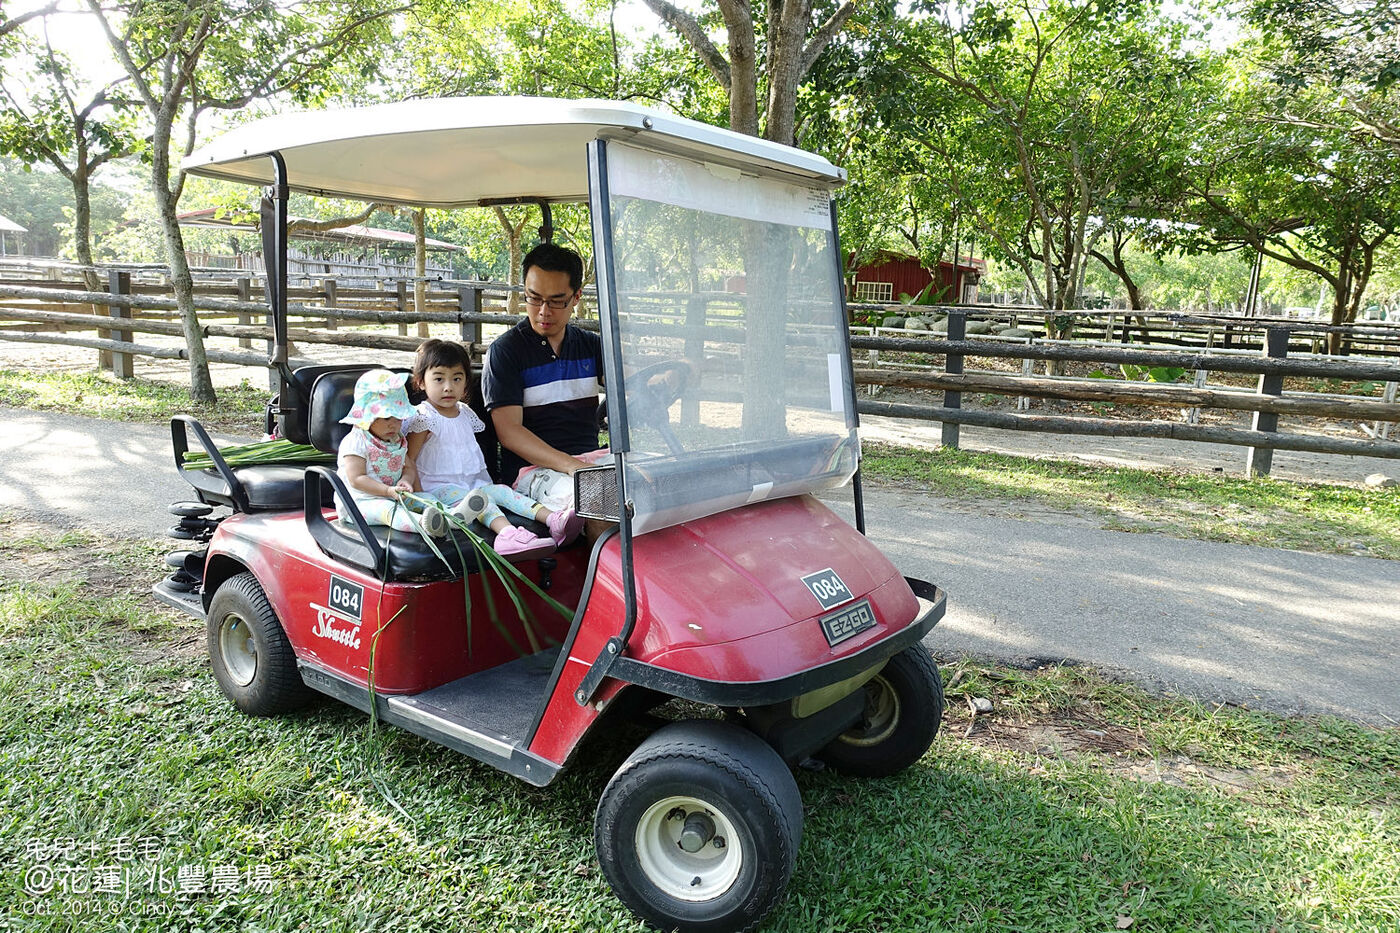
{"points": [[373, 458]]}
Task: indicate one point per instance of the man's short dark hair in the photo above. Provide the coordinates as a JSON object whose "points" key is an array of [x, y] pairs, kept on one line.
{"points": [[551, 257]]}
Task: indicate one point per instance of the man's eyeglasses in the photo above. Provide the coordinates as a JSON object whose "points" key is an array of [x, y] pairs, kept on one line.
{"points": [[555, 304]]}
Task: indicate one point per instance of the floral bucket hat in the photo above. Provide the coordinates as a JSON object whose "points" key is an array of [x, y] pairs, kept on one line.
{"points": [[379, 394]]}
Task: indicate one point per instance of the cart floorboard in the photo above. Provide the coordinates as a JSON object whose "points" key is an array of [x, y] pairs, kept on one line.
{"points": [[501, 702]]}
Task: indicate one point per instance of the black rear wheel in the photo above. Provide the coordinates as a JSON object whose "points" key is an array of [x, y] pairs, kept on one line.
{"points": [[903, 710], [253, 662]]}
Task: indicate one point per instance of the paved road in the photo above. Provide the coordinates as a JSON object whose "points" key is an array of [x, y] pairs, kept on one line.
{"points": [[1277, 629]]}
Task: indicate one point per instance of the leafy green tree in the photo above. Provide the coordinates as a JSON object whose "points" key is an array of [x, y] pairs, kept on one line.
{"points": [[34, 199], [1320, 198], [1042, 118], [1332, 63], [52, 119], [771, 50], [184, 59], [9, 24], [537, 48]]}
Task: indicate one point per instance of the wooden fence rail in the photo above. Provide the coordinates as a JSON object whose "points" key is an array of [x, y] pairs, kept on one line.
{"points": [[121, 315]]}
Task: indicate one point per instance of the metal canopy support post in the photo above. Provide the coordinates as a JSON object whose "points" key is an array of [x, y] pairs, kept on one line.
{"points": [[1260, 459], [852, 416], [546, 228], [274, 237], [546, 222], [600, 208]]}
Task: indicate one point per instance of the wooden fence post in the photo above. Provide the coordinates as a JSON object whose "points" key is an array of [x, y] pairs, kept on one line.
{"points": [[1023, 402], [119, 283], [696, 310], [1261, 459], [245, 294], [469, 302], [1193, 415], [329, 286], [953, 364], [402, 304], [1382, 429]]}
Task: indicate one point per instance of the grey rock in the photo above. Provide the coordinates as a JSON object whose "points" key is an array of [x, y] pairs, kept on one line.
{"points": [[1017, 332], [979, 327], [916, 323], [892, 320], [1379, 480]]}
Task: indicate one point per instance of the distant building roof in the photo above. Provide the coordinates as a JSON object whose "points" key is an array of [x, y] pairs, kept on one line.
{"points": [[891, 255], [9, 226], [357, 234]]}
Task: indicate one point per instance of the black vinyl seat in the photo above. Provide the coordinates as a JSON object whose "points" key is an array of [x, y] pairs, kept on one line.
{"points": [[261, 488]]}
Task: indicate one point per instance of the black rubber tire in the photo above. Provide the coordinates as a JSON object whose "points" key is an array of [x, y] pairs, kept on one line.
{"points": [[275, 685], [903, 710], [735, 773]]}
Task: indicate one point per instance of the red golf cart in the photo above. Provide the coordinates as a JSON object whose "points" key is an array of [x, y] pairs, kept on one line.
{"points": [[720, 579]]}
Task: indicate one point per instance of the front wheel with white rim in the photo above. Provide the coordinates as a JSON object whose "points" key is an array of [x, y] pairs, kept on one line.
{"points": [[699, 828]]}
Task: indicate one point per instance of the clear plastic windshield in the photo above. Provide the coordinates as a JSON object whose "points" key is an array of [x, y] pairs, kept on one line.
{"points": [[733, 345]]}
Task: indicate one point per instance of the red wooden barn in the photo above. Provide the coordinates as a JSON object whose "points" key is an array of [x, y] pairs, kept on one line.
{"points": [[891, 274]]}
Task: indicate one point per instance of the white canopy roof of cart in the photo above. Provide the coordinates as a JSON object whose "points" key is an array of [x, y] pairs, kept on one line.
{"points": [[461, 151]]}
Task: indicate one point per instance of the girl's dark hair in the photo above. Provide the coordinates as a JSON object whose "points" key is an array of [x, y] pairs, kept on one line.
{"points": [[432, 353]]}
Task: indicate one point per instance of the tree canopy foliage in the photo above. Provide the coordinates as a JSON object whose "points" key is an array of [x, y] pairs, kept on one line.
{"points": [[1077, 144]]}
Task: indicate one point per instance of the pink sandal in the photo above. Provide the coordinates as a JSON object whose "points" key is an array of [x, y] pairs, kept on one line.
{"points": [[520, 544], [564, 526]]}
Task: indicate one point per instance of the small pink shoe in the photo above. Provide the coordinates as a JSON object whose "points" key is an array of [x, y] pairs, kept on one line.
{"points": [[521, 545], [564, 526]]}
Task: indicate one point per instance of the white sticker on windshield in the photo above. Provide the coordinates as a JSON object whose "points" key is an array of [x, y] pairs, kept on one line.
{"points": [[835, 382], [760, 492]]}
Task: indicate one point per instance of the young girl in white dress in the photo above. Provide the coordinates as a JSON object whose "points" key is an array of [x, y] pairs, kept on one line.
{"points": [[442, 442]]}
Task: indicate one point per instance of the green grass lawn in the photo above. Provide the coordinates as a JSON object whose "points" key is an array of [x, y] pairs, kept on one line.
{"points": [[97, 395], [1079, 804]]}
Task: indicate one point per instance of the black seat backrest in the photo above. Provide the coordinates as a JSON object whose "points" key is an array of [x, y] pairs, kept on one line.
{"points": [[331, 392], [330, 397], [490, 446], [294, 402]]}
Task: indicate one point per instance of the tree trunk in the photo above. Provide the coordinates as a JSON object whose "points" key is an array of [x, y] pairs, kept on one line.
{"points": [[181, 281], [82, 225], [743, 67], [420, 269], [787, 29], [82, 241], [767, 260], [513, 233]]}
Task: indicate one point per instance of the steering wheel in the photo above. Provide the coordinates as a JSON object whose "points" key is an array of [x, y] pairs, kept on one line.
{"points": [[652, 390]]}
